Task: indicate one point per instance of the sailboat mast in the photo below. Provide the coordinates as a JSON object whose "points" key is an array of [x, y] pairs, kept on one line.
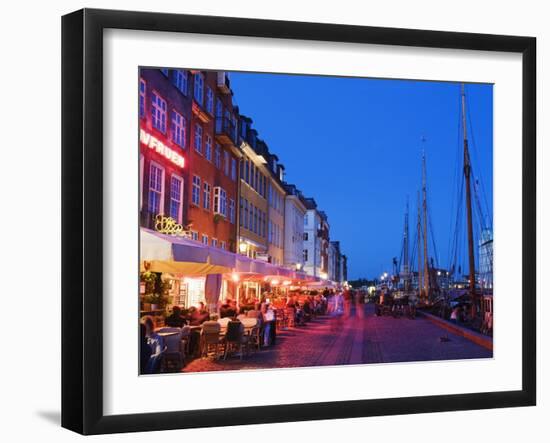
{"points": [[419, 234], [425, 227], [406, 270], [467, 173]]}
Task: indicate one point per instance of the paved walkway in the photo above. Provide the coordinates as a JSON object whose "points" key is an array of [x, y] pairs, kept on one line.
{"points": [[358, 339]]}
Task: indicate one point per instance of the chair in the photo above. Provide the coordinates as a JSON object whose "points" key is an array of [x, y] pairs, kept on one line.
{"points": [[235, 340], [254, 338], [172, 354], [185, 341], [290, 317], [281, 320], [210, 338]]}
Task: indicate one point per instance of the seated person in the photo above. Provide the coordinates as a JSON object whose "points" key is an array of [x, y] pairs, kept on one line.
{"points": [[156, 345], [176, 319]]}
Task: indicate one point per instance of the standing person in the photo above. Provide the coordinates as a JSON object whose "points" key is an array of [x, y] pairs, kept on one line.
{"points": [[268, 317]]}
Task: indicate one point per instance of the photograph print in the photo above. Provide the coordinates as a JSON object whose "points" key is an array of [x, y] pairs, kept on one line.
{"points": [[291, 221]]}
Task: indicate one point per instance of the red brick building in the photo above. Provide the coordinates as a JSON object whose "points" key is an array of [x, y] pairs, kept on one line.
{"points": [[188, 158]]}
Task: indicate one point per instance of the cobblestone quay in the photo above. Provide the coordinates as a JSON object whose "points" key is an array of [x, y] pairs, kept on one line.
{"points": [[358, 339]]}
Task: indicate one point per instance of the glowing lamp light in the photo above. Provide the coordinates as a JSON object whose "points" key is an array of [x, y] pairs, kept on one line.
{"points": [[323, 275], [243, 247], [286, 282], [298, 266], [274, 282], [235, 277], [385, 275]]}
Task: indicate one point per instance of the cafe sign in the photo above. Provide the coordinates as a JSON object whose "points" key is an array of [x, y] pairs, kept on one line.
{"points": [[167, 225], [154, 143]]}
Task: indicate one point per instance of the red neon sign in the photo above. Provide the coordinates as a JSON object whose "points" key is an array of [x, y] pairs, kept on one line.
{"points": [[154, 143]]}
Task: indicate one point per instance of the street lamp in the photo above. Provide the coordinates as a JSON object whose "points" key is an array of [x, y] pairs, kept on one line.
{"points": [[243, 247], [298, 266]]}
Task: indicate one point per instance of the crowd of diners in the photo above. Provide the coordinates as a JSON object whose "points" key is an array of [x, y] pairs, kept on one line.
{"points": [[272, 312]]}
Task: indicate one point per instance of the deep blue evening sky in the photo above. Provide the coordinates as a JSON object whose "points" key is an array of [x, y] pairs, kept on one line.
{"points": [[355, 146]]}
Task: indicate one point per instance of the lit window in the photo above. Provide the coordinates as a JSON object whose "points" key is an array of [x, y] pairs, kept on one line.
{"points": [[215, 242], [142, 89], [180, 80], [198, 138], [178, 129], [232, 210], [209, 100], [199, 88], [205, 239], [156, 178], [208, 147], [196, 194], [206, 193], [176, 194], [158, 112]]}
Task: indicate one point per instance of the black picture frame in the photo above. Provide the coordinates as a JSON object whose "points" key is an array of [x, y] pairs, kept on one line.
{"points": [[82, 231]]}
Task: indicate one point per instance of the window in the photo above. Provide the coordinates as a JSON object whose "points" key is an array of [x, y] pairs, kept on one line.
{"points": [[180, 80], [219, 109], [195, 235], [233, 169], [246, 171], [244, 217], [176, 194], [305, 255], [305, 236], [164, 71], [222, 245], [142, 90], [270, 232], [252, 181], [178, 129], [209, 100], [220, 201], [198, 138], [241, 211], [218, 156], [199, 88], [208, 147], [206, 200], [232, 210], [205, 239], [250, 216], [254, 219], [215, 242], [158, 112], [156, 180], [226, 162], [196, 194]]}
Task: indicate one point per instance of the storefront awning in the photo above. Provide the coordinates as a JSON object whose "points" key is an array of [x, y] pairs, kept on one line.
{"points": [[177, 255]]}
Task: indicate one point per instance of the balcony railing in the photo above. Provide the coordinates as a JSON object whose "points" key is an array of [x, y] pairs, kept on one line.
{"points": [[225, 131]]}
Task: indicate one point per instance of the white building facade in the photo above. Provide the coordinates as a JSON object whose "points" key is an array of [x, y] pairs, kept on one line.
{"points": [[312, 241], [294, 228]]}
